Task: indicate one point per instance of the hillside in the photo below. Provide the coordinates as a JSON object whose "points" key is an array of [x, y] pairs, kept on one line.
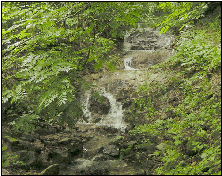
{"points": [[180, 133], [116, 88]]}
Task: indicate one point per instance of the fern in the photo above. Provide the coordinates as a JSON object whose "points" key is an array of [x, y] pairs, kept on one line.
{"points": [[46, 46]]}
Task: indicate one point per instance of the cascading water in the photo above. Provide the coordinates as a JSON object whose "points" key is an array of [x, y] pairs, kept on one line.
{"points": [[128, 63], [115, 116]]}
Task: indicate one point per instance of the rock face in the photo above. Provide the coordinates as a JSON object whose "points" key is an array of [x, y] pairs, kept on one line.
{"points": [[147, 39]]}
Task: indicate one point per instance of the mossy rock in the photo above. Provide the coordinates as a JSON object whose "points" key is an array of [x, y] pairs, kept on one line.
{"points": [[99, 104]]}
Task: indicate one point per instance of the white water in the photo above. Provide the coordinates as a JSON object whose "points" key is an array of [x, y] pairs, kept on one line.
{"points": [[128, 64], [115, 116]]}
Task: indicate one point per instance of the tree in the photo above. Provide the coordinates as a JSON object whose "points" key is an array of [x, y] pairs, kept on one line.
{"points": [[48, 45], [177, 15]]}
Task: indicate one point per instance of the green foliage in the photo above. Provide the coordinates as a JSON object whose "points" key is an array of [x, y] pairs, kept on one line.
{"points": [[196, 54], [127, 151], [9, 159], [179, 14], [188, 131], [25, 124], [47, 46], [96, 95]]}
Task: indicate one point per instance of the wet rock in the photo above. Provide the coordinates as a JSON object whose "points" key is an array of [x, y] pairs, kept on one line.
{"points": [[61, 139], [25, 145], [51, 170], [65, 140], [146, 147], [79, 166], [28, 157], [43, 159], [92, 167], [97, 120], [107, 130], [60, 155], [29, 137], [111, 150], [98, 169], [42, 131], [127, 104], [54, 157], [89, 167], [99, 104], [96, 145], [111, 165], [76, 149], [63, 153], [123, 95], [115, 85]]}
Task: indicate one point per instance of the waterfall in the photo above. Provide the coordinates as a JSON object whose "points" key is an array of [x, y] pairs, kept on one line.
{"points": [[85, 102], [115, 116], [128, 63]]}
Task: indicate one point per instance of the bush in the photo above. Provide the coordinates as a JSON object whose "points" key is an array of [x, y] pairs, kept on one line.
{"points": [[189, 130]]}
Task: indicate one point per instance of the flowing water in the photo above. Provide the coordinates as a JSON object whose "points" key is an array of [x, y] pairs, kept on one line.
{"points": [[128, 63], [108, 86], [115, 116], [94, 145]]}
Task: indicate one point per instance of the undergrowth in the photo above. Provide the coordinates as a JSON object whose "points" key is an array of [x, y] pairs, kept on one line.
{"points": [[187, 122]]}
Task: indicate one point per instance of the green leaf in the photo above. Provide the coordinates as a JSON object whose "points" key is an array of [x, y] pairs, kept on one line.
{"points": [[4, 148]]}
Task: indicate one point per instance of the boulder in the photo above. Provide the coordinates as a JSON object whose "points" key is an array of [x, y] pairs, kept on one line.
{"points": [[146, 147], [111, 150], [59, 155], [28, 157], [99, 104]]}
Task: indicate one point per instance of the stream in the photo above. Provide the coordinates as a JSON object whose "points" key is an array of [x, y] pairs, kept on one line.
{"points": [[94, 146], [101, 153]]}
